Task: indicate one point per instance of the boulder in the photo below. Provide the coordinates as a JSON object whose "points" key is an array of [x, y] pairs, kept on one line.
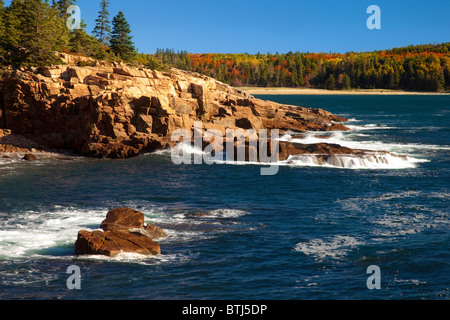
{"points": [[124, 230], [287, 149], [30, 157], [123, 218]]}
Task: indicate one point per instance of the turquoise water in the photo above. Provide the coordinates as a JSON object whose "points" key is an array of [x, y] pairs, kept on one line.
{"points": [[307, 232]]}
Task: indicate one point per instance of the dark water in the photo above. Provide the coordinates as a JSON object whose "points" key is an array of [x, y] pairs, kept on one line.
{"points": [[306, 233]]}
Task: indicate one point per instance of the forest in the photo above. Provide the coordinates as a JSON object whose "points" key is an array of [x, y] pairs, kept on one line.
{"points": [[412, 68], [31, 31]]}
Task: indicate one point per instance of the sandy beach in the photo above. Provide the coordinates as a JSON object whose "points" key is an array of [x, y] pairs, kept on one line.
{"points": [[309, 91]]}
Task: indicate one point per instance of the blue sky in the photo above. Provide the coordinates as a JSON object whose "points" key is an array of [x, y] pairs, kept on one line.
{"points": [[238, 26]]}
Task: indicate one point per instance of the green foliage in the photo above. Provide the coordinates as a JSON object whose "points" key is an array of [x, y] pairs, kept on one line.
{"points": [[330, 84], [121, 40], [83, 43], [62, 6], [102, 30], [416, 68], [33, 31], [150, 61]]}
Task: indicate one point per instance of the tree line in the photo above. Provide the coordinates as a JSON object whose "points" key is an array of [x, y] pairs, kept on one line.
{"points": [[31, 31], [413, 68]]}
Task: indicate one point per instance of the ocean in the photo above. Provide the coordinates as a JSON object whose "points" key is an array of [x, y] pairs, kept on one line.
{"points": [[310, 232]]}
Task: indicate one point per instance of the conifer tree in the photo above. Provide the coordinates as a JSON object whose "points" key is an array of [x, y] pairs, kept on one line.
{"points": [[102, 30], [2, 31], [12, 20], [121, 40], [82, 42], [63, 5], [330, 84], [42, 33], [33, 31]]}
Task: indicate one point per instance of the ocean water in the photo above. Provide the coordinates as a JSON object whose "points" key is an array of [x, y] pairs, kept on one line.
{"points": [[308, 232]]}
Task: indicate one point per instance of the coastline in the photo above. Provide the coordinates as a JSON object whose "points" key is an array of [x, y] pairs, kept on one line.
{"points": [[310, 91]]}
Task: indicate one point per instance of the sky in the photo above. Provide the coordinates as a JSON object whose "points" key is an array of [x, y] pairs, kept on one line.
{"points": [[252, 26]]}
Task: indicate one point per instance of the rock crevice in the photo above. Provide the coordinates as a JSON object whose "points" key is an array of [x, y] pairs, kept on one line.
{"points": [[119, 111]]}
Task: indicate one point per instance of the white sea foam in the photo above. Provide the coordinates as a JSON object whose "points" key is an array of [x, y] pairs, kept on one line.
{"points": [[345, 139], [402, 155], [140, 259], [336, 248], [228, 213], [374, 161], [33, 233], [52, 233], [369, 126]]}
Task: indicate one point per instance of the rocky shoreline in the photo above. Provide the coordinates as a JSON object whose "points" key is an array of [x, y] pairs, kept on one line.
{"points": [[117, 111]]}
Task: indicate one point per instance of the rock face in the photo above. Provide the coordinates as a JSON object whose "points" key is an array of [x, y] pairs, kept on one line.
{"points": [[123, 231], [117, 111]]}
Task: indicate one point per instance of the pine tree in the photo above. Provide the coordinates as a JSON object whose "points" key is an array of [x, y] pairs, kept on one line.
{"points": [[330, 84], [42, 32], [82, 42], [121, 40], [102, 30], [346, 82], [33, 32], [2, 31], [12, 20], [62, 6]]}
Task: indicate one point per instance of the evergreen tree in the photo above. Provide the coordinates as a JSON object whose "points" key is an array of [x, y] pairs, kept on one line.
{"points": [[330, 84], [42, 33], [62, 6], [12, 20], [346, 82], [102, 30], [2, 33], [82, 42], [121, 40], [33, 31]]}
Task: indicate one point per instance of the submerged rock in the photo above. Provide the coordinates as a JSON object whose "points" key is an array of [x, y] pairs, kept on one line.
{"points": [[29, 157], [124, 230]]}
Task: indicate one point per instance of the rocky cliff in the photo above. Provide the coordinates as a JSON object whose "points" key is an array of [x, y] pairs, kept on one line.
{"points": [[116, 111]]}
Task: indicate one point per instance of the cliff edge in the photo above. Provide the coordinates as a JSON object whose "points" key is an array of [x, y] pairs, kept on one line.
{"points": [[117, 111]]}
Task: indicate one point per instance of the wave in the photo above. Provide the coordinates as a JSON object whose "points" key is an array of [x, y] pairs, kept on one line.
{"points": [[140, 259], [336, 248], [373, 161], [369, 127], [345, 139], [51, 233], [350, 161], [399, 156]]}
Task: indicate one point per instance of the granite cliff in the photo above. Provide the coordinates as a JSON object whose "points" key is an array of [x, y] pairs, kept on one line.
{"points": [[117, 111]]}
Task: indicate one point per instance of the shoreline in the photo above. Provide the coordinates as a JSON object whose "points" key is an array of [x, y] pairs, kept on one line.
{"points": [[310, 91]]}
